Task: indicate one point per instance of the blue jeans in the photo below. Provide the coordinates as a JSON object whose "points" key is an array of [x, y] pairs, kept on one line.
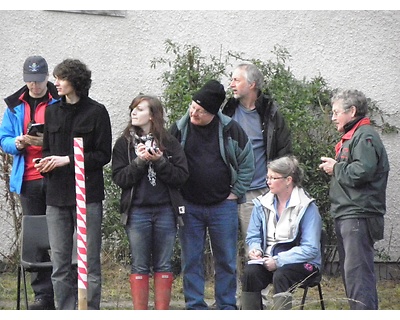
{"points": [[356, 260], [221, 221], [33, 202], [62, 223], [151, 233]]}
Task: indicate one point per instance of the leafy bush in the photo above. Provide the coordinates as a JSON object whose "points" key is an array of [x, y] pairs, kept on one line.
{"points": [[189, 71], [11, 212], [115, 241]]}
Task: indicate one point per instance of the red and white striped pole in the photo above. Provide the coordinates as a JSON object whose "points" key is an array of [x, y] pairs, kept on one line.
{"points": [[81, 222]]}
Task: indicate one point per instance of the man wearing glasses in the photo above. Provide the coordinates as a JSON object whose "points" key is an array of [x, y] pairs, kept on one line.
{"points": [[358, 196], [221, 166]]}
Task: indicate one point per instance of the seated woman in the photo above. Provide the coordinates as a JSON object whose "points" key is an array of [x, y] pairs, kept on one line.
{"points": [[283, 237]]}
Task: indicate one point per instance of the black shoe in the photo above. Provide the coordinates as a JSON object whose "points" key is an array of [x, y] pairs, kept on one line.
{"points": [[42, 304]]}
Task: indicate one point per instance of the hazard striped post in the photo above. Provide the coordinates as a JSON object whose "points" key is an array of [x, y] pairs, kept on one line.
{"points": [[81, 222]]}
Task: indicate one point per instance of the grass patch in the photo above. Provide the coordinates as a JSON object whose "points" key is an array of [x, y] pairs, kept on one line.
{"points": [[116, 291]]}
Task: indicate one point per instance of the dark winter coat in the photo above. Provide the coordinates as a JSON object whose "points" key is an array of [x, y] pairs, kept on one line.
{"points": [[276, 133], [171, 169], [90, 121]]}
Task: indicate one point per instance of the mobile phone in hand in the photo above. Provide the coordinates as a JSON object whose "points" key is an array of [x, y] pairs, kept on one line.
{"points": [[34, 128]]}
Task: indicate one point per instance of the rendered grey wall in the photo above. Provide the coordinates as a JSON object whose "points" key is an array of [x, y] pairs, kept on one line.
{"points": [[350, 49]]}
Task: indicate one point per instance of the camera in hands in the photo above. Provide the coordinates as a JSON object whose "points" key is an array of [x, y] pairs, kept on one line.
{"points": [[152, 150]]}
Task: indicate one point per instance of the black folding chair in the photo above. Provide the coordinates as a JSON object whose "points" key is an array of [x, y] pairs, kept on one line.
{"points": [[315, 281], [34, 241]]}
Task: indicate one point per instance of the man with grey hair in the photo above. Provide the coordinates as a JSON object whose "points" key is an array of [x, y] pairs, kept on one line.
{"points": [[358, 196], [263, 123]]}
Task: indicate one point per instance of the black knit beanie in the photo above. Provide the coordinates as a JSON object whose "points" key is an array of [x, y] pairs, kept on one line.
{"points": [[210, 96]]}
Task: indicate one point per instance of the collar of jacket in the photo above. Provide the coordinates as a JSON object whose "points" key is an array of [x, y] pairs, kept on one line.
{"points": [[14, 100], [349, 133]]}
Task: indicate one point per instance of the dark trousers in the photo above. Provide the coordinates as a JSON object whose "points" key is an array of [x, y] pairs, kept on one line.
{"points": [[286, 278], [33, 202], [356, 259]]}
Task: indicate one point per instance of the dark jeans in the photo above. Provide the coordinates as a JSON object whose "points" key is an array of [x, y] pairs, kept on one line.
{"points": [[33, 202]]}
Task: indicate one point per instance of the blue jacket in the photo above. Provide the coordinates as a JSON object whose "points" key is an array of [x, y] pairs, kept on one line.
{"points": [[304, 234], [13, 126], [236, 150]]}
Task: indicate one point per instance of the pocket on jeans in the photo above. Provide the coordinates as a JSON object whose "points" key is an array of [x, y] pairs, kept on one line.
{"points": [[376, 227]]}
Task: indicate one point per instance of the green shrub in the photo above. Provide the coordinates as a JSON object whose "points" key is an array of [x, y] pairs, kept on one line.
{"points": [[115, 241], [189, 71]]}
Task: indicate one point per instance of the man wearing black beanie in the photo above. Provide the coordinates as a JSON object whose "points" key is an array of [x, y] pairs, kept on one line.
{"points": [[211, 96], [221, 167]]}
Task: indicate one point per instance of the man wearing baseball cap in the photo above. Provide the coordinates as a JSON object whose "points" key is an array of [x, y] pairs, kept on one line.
{"points": [[24, 108], [221, 166]]}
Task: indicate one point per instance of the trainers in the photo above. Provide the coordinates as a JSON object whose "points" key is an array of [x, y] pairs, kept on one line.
{"points": [[42, 304]]}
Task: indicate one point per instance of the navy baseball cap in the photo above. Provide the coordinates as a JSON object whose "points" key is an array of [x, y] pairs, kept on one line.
{"points": [[35, 69]]}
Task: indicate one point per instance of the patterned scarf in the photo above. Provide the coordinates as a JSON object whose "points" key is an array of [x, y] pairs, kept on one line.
{"points": [[149, 142]]}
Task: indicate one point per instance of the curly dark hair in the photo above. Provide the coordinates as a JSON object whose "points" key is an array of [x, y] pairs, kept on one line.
{"points": [[77, 73]]}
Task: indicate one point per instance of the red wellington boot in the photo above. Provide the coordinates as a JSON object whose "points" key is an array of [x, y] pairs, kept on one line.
{"points": [[140, 291], [162, 290]]}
